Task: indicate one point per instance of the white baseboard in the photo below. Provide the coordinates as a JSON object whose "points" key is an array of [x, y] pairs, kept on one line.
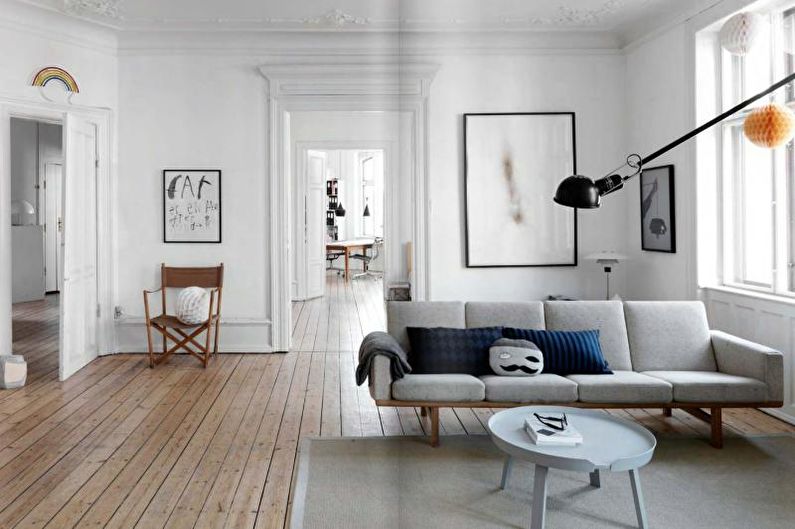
{"points": [[238, 335], [780, 413]]}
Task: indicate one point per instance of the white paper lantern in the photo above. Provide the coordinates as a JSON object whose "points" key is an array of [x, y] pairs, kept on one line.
{"points": [[193, 305], [739, 33]]}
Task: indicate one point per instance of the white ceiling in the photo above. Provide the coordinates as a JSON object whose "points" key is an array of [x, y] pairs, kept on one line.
{"points": [[622, 17]]}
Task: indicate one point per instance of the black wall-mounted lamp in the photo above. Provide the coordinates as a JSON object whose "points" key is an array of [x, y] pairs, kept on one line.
{"points": [[582, 192]]}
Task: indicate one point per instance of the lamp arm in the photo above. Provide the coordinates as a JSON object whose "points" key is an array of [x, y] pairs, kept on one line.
{"points": [[717, 119]]}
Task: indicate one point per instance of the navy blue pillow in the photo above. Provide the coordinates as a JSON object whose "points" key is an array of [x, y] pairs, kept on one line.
{"points": [[566, 352], [442, 350]]}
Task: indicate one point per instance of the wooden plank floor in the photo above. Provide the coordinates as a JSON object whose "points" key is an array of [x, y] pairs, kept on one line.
{"points": [[120, 445]]}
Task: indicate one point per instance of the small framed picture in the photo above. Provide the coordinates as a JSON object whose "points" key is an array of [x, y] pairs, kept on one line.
{"points": [[192, 205], [657, 209]]}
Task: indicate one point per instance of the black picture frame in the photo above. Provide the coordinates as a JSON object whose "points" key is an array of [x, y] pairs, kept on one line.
{"points": [[658, 209], [168, 202], [467, 207]]}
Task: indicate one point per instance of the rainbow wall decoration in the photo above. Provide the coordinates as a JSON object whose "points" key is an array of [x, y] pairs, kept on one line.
{"points": [[56, 75]]}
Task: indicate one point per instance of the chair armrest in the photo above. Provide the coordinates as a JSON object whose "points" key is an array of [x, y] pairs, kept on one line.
{"points": [[736, 356], [380, 379], [147, 292]]}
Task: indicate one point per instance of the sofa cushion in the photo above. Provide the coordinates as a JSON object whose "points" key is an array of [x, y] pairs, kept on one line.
{"points": [[669, 335], [402, 314], [541, 388], [709, 386], [524, 314], [439, 388], [605, 316], [565, 352], [441, 350], [622, 387]]}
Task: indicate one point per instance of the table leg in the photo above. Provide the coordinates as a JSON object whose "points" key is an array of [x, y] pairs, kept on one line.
{"points": [[347, 265], [637, 493], [506, 472], [539, 498], [596, 480]]}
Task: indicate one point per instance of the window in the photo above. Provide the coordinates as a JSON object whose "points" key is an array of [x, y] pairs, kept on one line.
{"points": [[758, 185], [372, 177]]}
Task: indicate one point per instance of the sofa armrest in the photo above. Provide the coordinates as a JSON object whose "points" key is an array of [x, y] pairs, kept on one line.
{"points": [[736, 356], [380, 379]]}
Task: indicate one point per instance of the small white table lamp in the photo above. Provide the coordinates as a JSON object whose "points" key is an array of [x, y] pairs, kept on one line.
{"points": [[608, 260], [18, 209]]}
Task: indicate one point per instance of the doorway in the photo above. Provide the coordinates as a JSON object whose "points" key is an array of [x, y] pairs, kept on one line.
{"points": [[36, 149], [339, 220], [51, 273]]}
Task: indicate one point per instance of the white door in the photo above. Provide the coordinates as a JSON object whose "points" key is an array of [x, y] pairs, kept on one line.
{"points": [[79, 301], [53, 227], [316, 203]]}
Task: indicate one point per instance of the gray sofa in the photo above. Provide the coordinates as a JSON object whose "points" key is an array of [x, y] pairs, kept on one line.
{"points": [[663, 355]]}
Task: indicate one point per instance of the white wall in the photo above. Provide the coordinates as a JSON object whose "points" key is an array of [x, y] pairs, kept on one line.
{"points": [[656, 113], [24, 162], [182, 112], [661, 94], [589, 84], [32, 144], [34, 38]]}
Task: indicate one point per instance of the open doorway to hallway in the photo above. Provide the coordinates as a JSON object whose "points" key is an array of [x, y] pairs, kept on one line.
{"points": [[51, 247], [339, 260], [36, 177]]}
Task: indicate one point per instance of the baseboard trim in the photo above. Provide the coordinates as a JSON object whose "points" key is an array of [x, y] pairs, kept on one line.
{"points": [[238, 335]]}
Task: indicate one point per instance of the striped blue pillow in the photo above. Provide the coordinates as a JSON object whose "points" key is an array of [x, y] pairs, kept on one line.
{"points": [[566, 352]]}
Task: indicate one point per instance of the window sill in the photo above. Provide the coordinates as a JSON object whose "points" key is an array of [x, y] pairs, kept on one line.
{"points": [[774, 298]]}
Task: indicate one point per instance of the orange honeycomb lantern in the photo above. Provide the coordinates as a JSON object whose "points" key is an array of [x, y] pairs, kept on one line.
{"points": [[770, 126]]}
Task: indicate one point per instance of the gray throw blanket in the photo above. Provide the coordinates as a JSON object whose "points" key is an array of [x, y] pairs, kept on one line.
{"points": [[384, 344]]}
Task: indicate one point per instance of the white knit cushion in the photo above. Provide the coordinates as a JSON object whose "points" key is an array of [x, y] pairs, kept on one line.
{"points": [[193, 305]]}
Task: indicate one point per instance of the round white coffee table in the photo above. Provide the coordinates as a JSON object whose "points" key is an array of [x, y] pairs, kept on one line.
{"points": [[609, 443]]}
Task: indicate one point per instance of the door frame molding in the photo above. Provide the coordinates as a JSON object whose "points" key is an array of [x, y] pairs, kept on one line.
{"points": [[391, 189], [342, 84], [36, 108]]}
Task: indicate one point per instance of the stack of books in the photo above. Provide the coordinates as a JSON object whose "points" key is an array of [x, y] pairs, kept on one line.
{"points": [[542, 434]]}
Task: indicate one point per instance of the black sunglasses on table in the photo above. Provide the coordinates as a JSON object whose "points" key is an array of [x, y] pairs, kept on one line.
{"points": [[556, 423]]}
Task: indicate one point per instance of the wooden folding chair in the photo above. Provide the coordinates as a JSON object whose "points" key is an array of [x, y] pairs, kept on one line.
{"points": [[182, 334]]}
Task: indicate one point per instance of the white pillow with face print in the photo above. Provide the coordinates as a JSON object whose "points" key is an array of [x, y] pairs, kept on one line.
{"points": [[515, 358]]}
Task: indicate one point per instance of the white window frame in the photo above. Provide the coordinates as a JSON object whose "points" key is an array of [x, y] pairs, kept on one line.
{"points": [[783, 197]]}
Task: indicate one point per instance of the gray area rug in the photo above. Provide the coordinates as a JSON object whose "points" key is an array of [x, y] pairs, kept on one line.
{"points": [[390, 483]]}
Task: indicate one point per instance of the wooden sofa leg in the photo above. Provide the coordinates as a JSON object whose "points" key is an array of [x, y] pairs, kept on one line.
{"points": [[434, 427], [716, 423], [423, 411], [668, 412]]}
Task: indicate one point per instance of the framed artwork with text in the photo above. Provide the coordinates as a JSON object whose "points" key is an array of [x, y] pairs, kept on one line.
{"points": [[192, 205]]}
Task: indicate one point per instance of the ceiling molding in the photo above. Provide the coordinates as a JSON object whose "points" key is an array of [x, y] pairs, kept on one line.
{"points": [[336, 18], [389, 78], [101, 8], [112, 13]]}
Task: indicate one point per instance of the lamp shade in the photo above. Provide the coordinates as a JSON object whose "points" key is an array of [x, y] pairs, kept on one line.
{"points": [[606, 257], [738, 34], [366, 212], [340, 211], [770, 126], [22, 207], [578, 192]]}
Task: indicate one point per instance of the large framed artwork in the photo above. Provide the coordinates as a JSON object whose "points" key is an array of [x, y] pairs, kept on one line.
{"points": [[657, 212], [513, 164], [192, 205]]}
